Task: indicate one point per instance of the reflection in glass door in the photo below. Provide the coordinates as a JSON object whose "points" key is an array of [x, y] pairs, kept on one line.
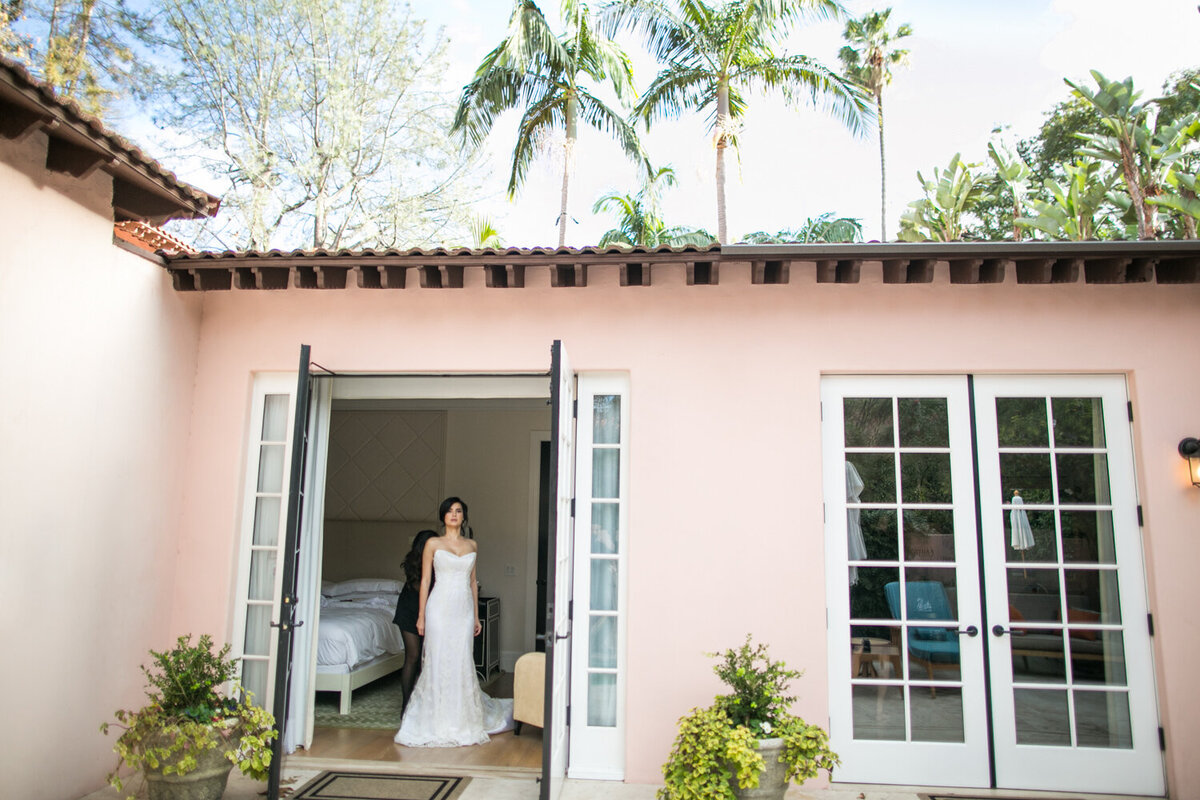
{"points": [[1056, 553], [907, 702], [1072, 682]]}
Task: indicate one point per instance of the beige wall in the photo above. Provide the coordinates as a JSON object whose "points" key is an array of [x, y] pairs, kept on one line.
{"points": [[98, 354], [726, 532], [488, 466]]}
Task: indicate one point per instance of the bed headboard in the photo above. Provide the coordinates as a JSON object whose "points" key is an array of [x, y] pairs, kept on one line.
{"points": [[356, 549]]}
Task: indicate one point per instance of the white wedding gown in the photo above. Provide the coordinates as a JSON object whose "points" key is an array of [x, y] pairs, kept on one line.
{"points": [[448, 708]]}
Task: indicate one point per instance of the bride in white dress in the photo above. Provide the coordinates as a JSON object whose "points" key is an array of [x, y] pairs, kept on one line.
{"points": [[448, 708]]}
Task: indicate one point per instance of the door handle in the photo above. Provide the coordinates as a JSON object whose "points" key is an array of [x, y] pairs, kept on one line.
{"points": [[970, 630], [1000, 630]]}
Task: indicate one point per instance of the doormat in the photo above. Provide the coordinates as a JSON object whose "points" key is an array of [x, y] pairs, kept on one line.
{"points": [[977, 797], [338, 785]]}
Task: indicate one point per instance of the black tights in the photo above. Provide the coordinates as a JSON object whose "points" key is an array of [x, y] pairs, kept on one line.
{"points": [[412, 664]]}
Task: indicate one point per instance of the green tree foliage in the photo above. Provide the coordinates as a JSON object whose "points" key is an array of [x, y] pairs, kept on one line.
{"points": [[713, 55], [326, 120], [639, 217], [1073, 208], [1072, 179], [868, 60], [484, 234], [1013, 173], [85, 49], [553, 80], [822, 228], [950, 195], [1134, 142]]}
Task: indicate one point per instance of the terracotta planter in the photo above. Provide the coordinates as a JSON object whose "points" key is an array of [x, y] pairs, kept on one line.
{"points": [[206, 782], [772, 781]]}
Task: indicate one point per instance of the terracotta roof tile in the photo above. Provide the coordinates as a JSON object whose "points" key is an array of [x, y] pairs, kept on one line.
{"points": [[27, 102], [150, 238]]}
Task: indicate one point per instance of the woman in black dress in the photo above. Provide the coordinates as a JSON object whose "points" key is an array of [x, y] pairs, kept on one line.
{"points": [[406, 614]]}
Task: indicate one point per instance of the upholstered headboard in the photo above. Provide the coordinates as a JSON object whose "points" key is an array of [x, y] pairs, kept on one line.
{"points": [[356, 549]]}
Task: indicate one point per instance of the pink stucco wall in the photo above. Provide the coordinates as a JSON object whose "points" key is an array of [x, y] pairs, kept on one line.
{"points": [[98, 354], [726, 523]]}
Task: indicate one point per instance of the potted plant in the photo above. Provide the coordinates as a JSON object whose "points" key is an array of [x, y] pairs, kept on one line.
{"points": [[747, 744], [189, 736]]}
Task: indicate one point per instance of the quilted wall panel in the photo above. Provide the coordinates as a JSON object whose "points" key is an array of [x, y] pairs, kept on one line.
{"points": [[385, 465]]}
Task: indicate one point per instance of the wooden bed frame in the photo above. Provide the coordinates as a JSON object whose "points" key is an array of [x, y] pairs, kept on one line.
{"points": [[346, 682]]}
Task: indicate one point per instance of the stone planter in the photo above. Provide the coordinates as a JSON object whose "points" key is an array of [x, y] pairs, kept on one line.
{"points": [[206, 782], [772, 781]]}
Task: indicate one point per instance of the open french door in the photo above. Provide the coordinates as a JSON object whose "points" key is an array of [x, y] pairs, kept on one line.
{"points": [[281, 655], [555, 734]]}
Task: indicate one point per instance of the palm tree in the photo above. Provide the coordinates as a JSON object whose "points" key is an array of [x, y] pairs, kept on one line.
{"points": [[639, 217], [715, 53], [543, 74], [868, 60]]}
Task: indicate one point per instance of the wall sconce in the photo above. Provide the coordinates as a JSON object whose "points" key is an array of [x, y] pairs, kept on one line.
{"points": [[1189, 448]]}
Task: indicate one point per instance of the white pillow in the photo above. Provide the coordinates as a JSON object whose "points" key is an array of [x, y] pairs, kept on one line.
{"points": [[355, 585]]}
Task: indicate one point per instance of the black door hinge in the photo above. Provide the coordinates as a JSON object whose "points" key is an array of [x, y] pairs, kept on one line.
{"points": [[1141, 522], [1162, 739], [572, 508], [568, 723], [1129, 405], [575, 408], [1150, 623]]}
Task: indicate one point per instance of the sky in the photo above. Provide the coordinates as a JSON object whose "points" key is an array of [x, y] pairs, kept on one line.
{"points": [[975, 65]]}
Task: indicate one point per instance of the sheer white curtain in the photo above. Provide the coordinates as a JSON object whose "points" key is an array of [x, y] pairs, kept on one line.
{"points": [[308, 572]]}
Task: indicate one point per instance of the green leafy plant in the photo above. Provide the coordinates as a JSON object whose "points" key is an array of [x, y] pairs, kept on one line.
{"points": [[188, 717], [716, 748]]}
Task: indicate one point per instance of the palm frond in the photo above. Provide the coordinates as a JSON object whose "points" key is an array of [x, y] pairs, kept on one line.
{"points": [[675, 90], [600, 116], [841, 97], [546, 115]]}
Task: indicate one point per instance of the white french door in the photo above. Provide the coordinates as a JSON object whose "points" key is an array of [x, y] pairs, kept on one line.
{"points": [[1073, 681], [1010, 650], [907, 698], [556, 729], [598, 674]]}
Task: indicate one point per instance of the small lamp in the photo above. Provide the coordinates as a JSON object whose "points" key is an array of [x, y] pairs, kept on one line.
{"points": [[1189, 448]]}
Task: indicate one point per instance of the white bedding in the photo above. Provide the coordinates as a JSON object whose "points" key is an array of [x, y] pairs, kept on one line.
{"points": [[354, 632]]}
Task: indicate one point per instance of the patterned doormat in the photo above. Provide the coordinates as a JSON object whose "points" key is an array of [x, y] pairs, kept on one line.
{"points": [[976, 797], [338, 785]]}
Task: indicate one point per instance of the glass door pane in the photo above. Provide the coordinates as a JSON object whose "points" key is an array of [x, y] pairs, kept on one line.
{"points": [[908, 678], [1062, 550]]}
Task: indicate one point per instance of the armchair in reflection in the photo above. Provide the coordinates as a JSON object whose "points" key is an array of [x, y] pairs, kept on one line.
{"points": [[935, 648]]}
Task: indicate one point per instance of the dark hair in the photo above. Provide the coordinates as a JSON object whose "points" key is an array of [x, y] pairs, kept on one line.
{"points": [[412, 561], [444, 509]]}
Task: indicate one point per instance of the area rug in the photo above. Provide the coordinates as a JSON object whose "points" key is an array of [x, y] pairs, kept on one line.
{"points": [[339, 785], [376, 705]]}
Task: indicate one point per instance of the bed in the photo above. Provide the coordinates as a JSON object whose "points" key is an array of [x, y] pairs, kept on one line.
{"points": [[357, 641]]}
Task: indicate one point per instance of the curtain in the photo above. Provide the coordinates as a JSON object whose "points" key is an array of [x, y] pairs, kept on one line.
{"points": [[299, 728]]}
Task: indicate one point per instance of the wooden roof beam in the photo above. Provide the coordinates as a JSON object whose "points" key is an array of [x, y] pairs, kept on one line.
{"points": [[74, 160]]}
